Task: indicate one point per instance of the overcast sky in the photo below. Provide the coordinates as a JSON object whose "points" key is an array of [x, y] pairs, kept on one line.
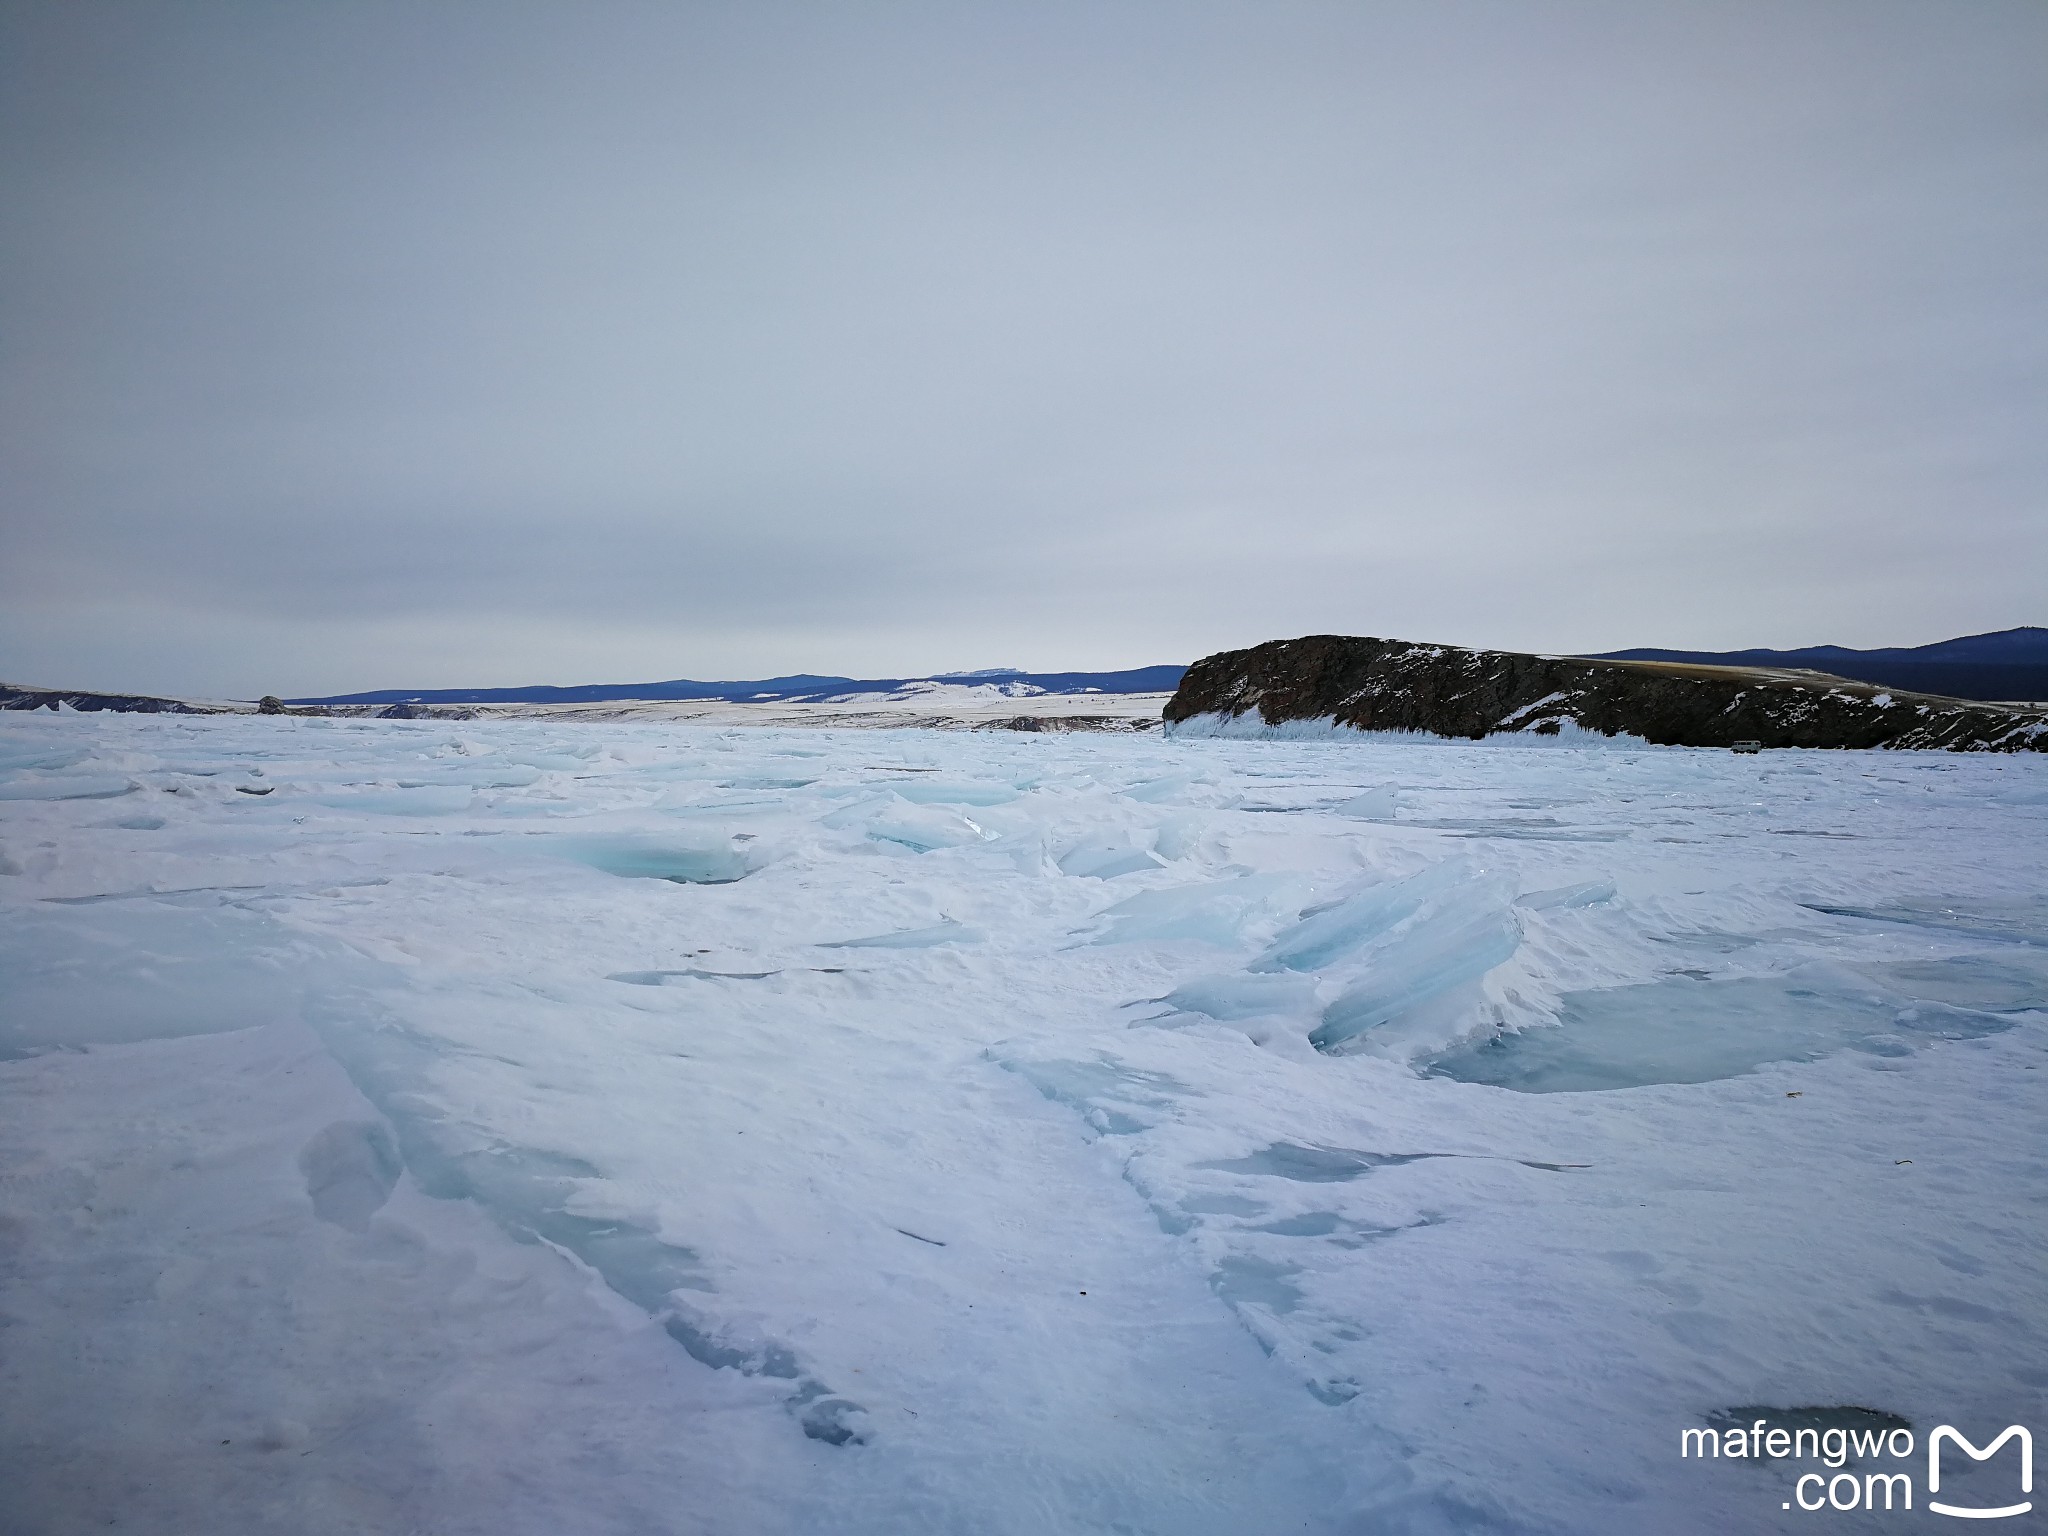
{"points": [[349, 344]]}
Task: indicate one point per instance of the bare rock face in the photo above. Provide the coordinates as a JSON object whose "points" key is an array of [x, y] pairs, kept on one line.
{"points": [[71, 698], [1073, 723], [1394, 685]]}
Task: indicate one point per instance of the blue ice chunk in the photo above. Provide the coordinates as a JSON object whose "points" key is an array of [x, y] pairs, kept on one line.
{"points": [[954, 792], [1115, 1099], [69, 786], [1310, 1164], [1212, 912], [1106, 861], [18, 755], [1691, 1031], [1566, 897], [1328, 933], [1379, 804], [920, 828], [1177, 836], [1452, 946], [1157, 791], [1241, 996], [559, 762], [683, 862]]}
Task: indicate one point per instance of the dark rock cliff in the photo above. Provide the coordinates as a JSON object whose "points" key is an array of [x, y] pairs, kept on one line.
{"points": [[71, 698], [1393, 685]]}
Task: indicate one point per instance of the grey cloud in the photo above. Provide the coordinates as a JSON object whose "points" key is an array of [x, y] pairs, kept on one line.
{"points": [[643, 338]]}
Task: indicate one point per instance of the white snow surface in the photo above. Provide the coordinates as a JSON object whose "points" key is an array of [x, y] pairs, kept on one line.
{"points": [[928, 705], [531, 1126]]}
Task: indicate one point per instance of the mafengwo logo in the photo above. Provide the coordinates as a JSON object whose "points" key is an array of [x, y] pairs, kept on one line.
{"points": [[1848, 1442], [1944, 1432]]}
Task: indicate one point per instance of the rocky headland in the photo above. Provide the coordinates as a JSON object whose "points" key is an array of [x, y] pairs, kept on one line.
{"points": [[1293, 687], [12, 697]]}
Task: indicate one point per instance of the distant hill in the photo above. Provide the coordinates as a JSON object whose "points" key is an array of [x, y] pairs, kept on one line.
{"points": [[800, 688], [2007, 664]]}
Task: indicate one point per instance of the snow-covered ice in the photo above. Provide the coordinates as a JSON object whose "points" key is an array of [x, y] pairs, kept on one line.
{"points": [[546, 1126]]}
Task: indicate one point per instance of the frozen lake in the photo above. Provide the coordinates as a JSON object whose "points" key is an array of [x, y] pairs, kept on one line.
{"points": [[529, 1126]]}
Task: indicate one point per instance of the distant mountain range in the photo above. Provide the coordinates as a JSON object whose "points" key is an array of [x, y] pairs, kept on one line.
{"points": [[804, 687], [2011, 664], [2008, 664]]}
